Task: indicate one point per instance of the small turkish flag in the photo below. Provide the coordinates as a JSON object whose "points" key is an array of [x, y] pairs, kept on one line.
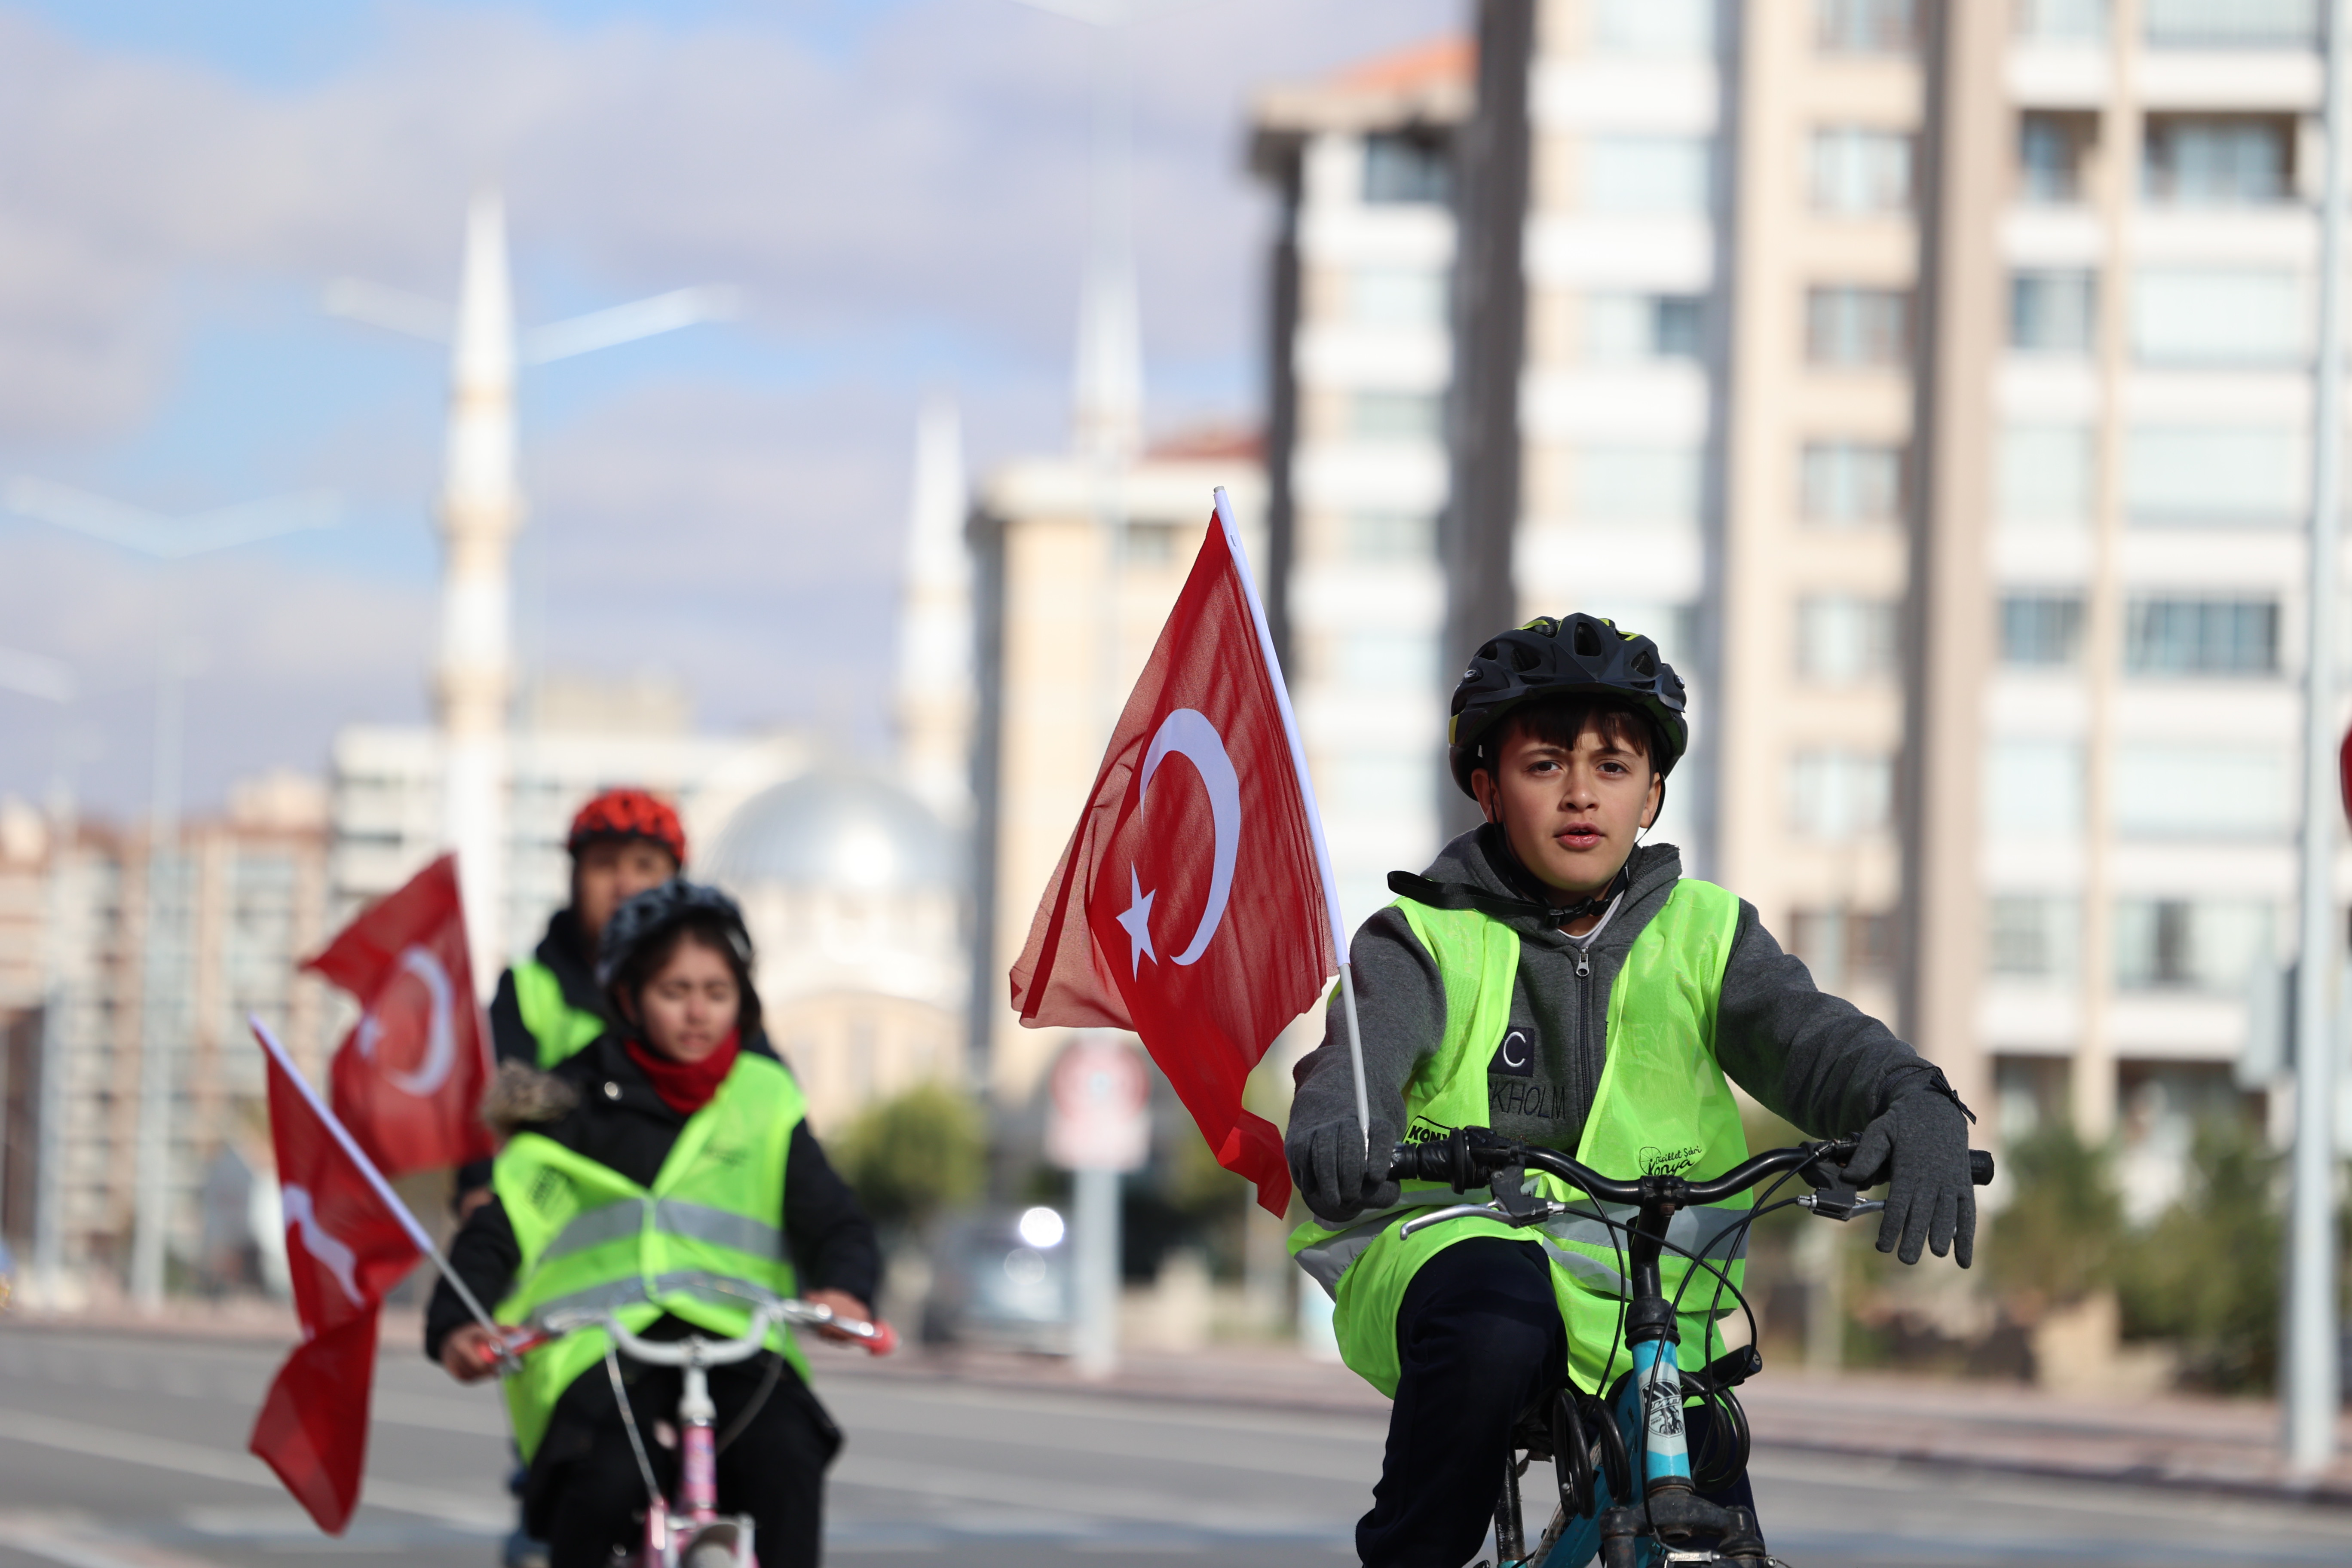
{"points": [[348, 1241], [1193, 903], [408, 1079]]}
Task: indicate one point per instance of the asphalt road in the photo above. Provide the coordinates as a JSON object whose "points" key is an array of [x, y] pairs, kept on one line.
{"points": [[120, 1452]]}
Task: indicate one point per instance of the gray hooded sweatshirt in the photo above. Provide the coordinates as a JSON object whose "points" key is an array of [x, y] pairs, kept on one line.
{"points": [[1814, 1059]]}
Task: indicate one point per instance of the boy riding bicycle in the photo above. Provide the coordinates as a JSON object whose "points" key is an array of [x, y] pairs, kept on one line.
{"points": [[1553, 980]]}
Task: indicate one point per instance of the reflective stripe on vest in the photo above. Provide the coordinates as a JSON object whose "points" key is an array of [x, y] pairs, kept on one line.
{"points": [[592, 1239], [562, 1030], [1663, 1104]]}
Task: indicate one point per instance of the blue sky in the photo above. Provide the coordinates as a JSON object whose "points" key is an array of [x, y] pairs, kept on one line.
{"points": [[897, 186]]}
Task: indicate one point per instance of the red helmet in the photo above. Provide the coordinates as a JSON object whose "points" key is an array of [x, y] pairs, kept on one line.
{"points": [[629, 814]]}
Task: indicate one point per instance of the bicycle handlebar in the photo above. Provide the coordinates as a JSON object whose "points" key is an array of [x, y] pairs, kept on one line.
{"points": [[1462, 1162], [876, 1338]]}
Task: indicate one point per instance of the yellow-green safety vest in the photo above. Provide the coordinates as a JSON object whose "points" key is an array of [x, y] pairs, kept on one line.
{"points": [[591, 1237], [1663, 1105], [562, 1030]]}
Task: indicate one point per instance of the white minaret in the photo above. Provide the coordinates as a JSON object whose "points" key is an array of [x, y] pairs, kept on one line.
{"points": [[481, 509], [937, 697]]}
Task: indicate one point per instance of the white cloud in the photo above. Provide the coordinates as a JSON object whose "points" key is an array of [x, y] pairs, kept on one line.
{"points": [[903, 207]]}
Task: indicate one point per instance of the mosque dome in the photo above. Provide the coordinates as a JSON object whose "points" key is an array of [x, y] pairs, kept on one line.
{"points": [[838, 829]]}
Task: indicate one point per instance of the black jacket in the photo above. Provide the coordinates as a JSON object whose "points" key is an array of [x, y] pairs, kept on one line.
{"points": [[619, 1122], [570, 954]]}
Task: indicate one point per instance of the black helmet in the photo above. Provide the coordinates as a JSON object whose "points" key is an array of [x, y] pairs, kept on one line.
{"points": [[1548, 657], [656, 912]]}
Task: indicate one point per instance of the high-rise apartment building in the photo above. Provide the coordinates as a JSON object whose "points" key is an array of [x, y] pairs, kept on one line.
{"points": [[2120, 402], [1933, 382], [1361, 360]]}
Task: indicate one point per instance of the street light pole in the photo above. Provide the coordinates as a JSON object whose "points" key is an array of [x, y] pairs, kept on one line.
{"points": [[161, 990], [2313, 1392]]}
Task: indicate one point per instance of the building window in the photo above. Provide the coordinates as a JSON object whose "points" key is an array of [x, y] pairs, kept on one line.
{"points": [[1842, 946], [2032, 938], [2232, 24], [1860, 169], [2053, 312], [2062, 21], [1850, 326], [2203, 636], [1653, 26], [1637, 484], [1843, 640], [1852, 484], [2033, 787], [2180, 944], [2050, 155], [1865, 26], [2200, 476], [1620, 327], [1397, 297], [1396, 416], [2218, 316], [2041, 631], [1649, 173], [1150, 544], [1387, 662], [1835, 796], [2202, 159], [1405, 166], [1391, 536], [2164, 792], [2046, 475]]}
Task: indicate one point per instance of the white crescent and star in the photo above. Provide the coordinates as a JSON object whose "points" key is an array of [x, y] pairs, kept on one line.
{"points": [[440, 1037], [1188, 733]]}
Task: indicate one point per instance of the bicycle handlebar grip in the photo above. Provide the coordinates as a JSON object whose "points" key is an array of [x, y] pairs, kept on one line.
{"points": [[1980, 1167]]}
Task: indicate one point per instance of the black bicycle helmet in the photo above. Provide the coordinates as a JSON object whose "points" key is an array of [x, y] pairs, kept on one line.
{"points": [[657, 912], [1558, 657]]}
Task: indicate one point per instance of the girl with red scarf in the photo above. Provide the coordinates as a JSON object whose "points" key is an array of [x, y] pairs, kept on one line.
{"points": [[675, 963]]}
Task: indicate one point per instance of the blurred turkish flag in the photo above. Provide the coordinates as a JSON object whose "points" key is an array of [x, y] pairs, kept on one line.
{"points": [[348, 1241], [408, 1079], [1192, 905]]}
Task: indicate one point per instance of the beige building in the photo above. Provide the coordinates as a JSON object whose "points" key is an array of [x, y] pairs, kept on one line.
{"points": [[219, 925], [2121, 406], [1814, 563]]}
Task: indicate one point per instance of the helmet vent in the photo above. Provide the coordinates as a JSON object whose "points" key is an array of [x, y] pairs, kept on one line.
{"points": [[1523, 658], [1588, 640], [1489, 651], [1643, 664]]}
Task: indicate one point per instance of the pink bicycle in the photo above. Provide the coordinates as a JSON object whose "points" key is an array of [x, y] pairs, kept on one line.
{"points": [[690, 1532]]}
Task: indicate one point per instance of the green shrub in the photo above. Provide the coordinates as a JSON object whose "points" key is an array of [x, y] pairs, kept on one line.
{"points": [[2206, 1274], [2055, 1242], [914, 1154]]}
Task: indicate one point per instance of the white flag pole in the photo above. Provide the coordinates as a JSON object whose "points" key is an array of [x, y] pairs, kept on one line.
{"points": [[1313, 817], [417, 1233]]}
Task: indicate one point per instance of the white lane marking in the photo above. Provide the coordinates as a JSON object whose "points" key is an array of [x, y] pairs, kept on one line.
{"points": [[70, 1540], [1067, 1499], [221, 1465]]}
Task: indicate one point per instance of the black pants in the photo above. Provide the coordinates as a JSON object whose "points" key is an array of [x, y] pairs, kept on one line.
{"points": [[585, 1495], [1479, 1338]]}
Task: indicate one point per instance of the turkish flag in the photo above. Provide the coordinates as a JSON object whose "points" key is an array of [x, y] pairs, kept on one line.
{"points": [[1193, 903], [348, 1241], [408, 1079]]}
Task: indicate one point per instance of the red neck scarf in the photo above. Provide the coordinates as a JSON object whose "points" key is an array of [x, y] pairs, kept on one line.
{"points": [[686, 1087]]}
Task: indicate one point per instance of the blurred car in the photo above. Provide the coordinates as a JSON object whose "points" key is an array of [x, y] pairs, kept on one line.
{"points": [[1002, 1278]]}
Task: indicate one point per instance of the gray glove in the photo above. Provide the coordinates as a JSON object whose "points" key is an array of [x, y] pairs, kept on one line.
{"points": [[1919, 1147], [1328, 1166]]}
